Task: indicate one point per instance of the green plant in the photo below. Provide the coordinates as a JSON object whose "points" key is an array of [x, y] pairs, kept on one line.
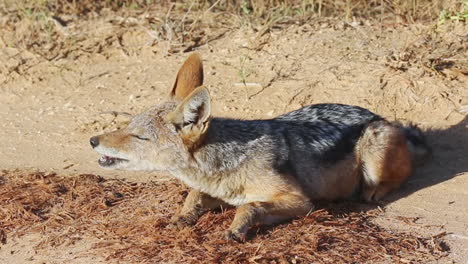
{"points": [[243, 72], [446, 15]]}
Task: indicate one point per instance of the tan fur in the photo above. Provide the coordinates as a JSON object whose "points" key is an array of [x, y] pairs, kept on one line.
{"points": [[189, 77], [385, 160], [117, 139], [198, 100], [195, 204], [280, 207], [342, 179], [174, 137]]}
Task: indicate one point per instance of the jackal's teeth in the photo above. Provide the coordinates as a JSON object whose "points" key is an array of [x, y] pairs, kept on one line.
{"points": [[108, 161]]}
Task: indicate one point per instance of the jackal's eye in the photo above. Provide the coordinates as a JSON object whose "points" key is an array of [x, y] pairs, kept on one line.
{"points": [[140, 137]]}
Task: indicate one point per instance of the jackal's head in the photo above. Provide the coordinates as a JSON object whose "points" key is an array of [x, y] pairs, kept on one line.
{"points": [[162, 137]]}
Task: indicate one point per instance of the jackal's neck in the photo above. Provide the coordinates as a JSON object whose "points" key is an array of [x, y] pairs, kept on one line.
{"points": [[228, 143]]}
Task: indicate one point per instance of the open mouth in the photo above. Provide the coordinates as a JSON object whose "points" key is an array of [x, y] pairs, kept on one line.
{"points": [[107, 161]]}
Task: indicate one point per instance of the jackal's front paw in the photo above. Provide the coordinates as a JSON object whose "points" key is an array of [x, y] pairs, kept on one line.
{"points": [[181, 221], [236, 236]]}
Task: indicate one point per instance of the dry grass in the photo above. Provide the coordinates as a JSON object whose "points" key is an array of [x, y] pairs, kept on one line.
{"points": [[407, 10], [131, 222], [53, 28]]}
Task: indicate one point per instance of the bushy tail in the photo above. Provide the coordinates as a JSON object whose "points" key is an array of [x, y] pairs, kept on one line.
{"points": [[417, 143]]}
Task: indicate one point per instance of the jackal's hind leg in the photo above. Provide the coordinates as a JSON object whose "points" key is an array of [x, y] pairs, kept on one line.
{"points": [[282, 208]]}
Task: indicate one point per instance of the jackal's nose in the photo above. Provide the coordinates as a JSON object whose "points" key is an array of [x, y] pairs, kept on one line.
{"points": [[94, 141]]}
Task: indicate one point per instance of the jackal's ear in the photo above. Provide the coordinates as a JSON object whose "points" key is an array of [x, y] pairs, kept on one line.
{"points": [[189, 77], [191, 117]]}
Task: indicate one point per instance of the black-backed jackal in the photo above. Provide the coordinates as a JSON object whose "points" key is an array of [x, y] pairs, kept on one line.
{"points": [[271, 170]]}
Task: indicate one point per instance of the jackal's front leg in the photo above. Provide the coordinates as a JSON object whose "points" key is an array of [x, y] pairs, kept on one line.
{"points": [[195, 205], [283, 207]]}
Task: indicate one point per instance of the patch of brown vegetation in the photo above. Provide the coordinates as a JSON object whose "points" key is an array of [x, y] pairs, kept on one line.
{"points": [[131, 221], [54, 29]]}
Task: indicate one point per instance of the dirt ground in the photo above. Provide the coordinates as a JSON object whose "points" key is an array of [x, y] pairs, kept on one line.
{"points": [[49, 108]]}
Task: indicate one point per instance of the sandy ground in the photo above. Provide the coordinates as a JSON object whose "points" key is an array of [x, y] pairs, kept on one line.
{"points": [[50, 109]]}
